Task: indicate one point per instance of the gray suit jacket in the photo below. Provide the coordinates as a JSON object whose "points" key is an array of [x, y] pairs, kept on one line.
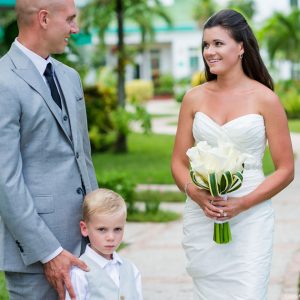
{"points": [[42, 168]]}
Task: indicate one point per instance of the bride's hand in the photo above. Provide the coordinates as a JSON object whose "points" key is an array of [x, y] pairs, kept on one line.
{"points": [[230, 207], [205, 201]]}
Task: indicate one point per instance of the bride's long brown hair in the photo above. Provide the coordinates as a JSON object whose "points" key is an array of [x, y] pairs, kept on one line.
{"points": [[240, 31]]}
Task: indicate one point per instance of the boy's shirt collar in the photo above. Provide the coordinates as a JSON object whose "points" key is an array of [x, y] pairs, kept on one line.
{"points": [[100, 260]]}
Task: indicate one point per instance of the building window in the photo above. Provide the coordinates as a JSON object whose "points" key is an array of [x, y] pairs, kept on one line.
{"points": [[155, 63], [194, 59]]}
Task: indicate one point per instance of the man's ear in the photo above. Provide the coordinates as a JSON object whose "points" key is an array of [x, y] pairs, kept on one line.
{"points": [[83, 229], [43, 17]]}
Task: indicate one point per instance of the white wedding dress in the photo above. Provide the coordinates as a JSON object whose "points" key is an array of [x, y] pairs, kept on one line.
{"points": [[240, 269]]}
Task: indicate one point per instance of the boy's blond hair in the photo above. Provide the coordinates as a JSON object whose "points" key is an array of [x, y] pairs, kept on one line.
{"points": [[102, 201]]}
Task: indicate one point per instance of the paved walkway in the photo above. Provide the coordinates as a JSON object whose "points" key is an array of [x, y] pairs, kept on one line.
{"points": [[156, 248]]}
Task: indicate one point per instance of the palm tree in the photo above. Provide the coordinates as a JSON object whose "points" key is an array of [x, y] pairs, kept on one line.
{"points": [[100, 14], [281, 35], [246, 7], [203, 9]]}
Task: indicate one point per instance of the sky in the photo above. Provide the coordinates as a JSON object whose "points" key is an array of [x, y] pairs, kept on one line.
{"points": [[266, 7]]}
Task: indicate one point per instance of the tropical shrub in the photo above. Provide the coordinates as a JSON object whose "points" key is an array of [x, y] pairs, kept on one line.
{"points": [[182, 85], [139, 91], [105, 118], [99, 106], [198, 78], [164, 85], [289, 93], [120, 184]]}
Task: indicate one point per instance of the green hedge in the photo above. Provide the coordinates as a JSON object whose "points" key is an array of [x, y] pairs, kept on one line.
{"points": [[289, 93]]}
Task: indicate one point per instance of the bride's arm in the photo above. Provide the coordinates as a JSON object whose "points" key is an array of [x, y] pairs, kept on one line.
{"points": [[280, 145], [279, 140], [180, 163]]}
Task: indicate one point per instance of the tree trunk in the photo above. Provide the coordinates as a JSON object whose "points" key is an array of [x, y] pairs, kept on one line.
{"points": [[121, 143]]}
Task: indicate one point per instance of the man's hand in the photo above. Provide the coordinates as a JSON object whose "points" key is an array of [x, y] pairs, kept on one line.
{"points": [[57, 272]]}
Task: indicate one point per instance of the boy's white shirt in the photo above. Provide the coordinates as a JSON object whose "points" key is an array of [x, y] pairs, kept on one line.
{"points": [[112, 267]]}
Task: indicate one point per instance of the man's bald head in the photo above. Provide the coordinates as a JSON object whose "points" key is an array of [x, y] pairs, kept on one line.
{"points": [[26, 9], [46, 25]]}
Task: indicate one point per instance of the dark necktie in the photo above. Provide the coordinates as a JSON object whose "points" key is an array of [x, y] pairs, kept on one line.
{"points": [[53, 88]]}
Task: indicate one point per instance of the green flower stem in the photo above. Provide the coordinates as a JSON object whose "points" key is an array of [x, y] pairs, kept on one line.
{"points": [[222, 233], [216, 233], [225, 231]]}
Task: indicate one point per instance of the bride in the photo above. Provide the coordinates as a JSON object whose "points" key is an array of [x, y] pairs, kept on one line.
{"points": [[236, 104]]}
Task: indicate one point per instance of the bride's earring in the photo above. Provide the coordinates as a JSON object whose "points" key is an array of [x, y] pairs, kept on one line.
{"points": [[241, 56]]}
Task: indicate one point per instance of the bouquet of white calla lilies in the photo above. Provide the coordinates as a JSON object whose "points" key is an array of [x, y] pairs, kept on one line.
{"points": [[219, 170]]}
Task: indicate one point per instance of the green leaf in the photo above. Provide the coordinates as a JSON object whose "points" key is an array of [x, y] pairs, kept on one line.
{"points": [[196, 181], [227, 178], [237, 182], [239, 175], [213, 184]]}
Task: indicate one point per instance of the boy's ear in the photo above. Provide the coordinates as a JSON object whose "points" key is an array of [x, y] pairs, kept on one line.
{"points": [[83, 229]]}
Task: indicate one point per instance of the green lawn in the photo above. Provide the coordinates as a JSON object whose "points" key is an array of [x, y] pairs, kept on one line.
{"points": [[3, 293], [148, 160], [294, 125]]}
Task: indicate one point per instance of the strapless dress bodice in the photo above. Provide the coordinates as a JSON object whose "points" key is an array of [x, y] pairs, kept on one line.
{"points": [[246, 132]]}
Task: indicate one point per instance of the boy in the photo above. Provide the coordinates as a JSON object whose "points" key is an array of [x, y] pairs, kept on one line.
{"points": [[110, 277]]}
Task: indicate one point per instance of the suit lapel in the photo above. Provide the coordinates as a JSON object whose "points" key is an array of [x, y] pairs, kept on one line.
{"points": [[70, 100], [28, 72]]}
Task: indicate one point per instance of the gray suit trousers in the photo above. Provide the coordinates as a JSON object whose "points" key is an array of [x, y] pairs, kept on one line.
{"points": [[24, 286]]}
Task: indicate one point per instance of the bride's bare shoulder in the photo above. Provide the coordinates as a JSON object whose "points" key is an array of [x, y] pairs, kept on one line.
{"points": [[198, 93], [265, 95]]}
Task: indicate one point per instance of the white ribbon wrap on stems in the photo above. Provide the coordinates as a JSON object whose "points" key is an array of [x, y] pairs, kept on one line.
{"points": [[225, 199]]}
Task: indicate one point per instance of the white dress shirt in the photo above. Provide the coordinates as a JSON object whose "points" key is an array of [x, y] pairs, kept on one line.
{"points": [[41, 64], [112, 267]]}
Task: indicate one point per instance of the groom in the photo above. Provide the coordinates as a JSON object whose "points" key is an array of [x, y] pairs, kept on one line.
{"points": [[45, 158]]}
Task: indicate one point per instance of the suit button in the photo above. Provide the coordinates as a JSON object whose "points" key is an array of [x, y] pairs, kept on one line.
{"points": [[77, 155], [79, 191], [65, 118], [20, 247]]}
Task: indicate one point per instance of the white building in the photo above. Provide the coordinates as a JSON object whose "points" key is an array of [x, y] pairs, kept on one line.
{"points": [[177, 50]]}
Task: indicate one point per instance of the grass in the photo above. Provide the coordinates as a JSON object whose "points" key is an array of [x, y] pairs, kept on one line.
{"points": [[157, 116], [148, 160], [294, 125], [159, 216], [166, 196], [268, 165], [3, 292], [122, 246]]}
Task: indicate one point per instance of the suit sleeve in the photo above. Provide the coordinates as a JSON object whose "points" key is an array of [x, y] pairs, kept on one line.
{"points": [[17, 208], [87, 150]]}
